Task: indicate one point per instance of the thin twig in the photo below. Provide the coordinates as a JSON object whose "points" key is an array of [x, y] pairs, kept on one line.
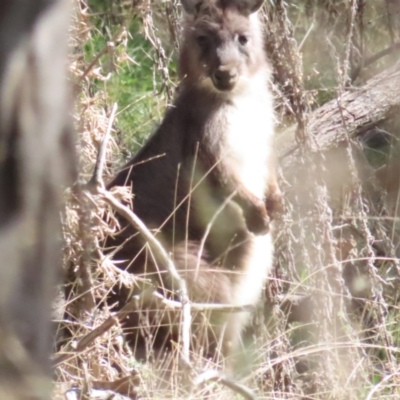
{"points": [[155, 245], [213, 375], [97, 178], [135, 305], [345, 78], [103, 51], [84, 223], [383, 53], [380, 385], [228, 308]]}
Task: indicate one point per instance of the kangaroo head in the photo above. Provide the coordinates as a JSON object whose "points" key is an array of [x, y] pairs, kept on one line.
{"points": [[223, 44]]}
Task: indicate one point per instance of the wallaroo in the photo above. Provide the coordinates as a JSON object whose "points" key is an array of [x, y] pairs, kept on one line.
{"points": [[204, 183]]}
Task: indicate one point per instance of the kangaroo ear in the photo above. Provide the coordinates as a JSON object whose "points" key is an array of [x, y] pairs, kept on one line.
{"points": [[191, 7], [247, 6]]}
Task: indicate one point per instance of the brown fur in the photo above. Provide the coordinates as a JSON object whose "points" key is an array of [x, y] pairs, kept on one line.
{"points": [[195, 162]]}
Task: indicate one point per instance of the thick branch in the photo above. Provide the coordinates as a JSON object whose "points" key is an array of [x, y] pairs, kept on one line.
{"points": [[353, 113]]}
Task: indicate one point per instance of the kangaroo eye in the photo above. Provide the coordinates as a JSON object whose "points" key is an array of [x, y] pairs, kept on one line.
{"points": [[243, 39]]}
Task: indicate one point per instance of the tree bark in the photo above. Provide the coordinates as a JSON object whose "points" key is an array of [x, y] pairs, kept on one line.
{"points": [[36, 162], [347, 116]]}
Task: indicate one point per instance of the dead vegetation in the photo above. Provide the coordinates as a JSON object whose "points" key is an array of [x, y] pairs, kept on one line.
{"points": [[329, 325]]}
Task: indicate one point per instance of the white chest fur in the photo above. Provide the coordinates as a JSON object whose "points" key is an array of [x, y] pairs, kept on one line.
{"points": [[248, 122]]}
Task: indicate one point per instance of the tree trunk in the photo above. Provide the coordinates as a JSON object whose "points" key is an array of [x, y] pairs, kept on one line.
{"points": [[36, 161], [349, 115]]}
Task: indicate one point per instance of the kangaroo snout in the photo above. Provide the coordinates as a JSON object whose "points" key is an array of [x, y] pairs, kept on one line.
{"points": [[224, 79]]}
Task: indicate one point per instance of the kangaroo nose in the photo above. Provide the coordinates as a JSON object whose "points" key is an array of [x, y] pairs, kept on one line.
{"points": [[224, 79]]}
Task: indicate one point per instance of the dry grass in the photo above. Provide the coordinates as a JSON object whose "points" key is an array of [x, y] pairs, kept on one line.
{"points": [[329, 325]]}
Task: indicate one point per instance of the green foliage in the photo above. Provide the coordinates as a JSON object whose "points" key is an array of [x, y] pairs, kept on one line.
{"points": [[127, 74]]}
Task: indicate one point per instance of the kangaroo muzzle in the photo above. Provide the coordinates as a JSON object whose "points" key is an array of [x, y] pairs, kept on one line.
{"points": [[224, 79]]}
